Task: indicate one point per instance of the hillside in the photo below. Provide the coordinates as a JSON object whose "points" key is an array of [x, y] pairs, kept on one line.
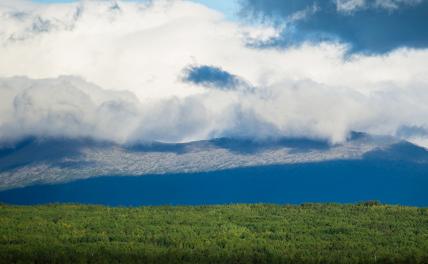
{"points": [[50, 160], [308, 233]]}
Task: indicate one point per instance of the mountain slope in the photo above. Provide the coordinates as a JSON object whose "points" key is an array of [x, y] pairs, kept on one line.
{"points": [[60, 160]]}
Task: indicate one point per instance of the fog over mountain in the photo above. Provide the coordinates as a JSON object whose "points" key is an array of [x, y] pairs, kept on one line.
{"points": [[35, 161], [176, 71]]}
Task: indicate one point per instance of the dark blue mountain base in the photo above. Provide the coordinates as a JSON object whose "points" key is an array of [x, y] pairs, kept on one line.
{"points": [[389, 181]]}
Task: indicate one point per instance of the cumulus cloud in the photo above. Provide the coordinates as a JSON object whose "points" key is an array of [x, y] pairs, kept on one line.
{"points": [[130, 58]]}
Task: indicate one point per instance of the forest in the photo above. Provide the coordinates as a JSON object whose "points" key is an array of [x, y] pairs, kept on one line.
{"points": [[367, 232]]}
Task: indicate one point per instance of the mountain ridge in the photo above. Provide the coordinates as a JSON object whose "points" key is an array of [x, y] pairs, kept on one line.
{"points": [[61, 160]]}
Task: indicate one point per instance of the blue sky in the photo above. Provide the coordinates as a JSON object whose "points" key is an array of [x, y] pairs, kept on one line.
{"points": [[369, 27], [228, 7]]}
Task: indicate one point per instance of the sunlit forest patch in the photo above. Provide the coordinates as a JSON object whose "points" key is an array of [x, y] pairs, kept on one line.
{"points": [[309, 233]]}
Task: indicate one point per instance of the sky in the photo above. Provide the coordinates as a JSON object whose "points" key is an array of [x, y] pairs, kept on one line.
{"points": [[178, 70], [227, 7]]}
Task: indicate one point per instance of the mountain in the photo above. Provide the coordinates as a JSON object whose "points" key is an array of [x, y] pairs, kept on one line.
{"points": [[217, 171], [47, 161]]}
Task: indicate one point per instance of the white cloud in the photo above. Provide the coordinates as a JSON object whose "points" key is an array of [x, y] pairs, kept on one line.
{"points": [[135, 57], [349, 6], [303, 14], [394, 4]]}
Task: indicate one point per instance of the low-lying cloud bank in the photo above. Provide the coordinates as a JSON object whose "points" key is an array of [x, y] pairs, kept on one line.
{"points": [[137, 80]]}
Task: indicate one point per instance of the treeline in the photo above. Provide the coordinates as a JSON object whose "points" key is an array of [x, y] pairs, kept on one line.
{"points": [[309, 233]]}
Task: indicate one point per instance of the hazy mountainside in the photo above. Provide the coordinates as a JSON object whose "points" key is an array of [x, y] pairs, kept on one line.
{"points": [[60, 160]]}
